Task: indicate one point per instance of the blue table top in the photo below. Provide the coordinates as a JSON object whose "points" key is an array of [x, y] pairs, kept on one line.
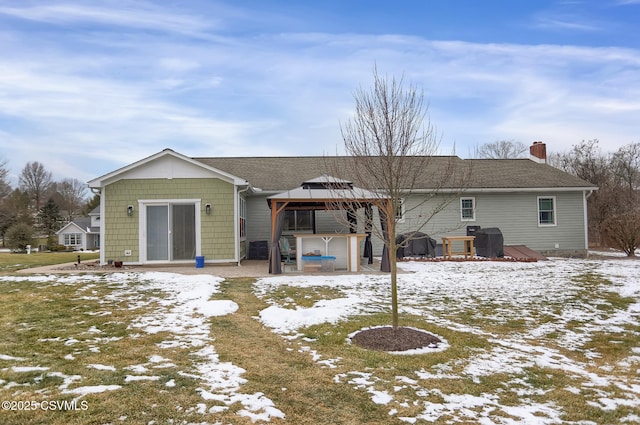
{"points": [[318, 257]]}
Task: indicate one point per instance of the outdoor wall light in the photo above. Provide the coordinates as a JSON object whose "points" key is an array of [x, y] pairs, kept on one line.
{"points": [[207, 209], [130, 210]]}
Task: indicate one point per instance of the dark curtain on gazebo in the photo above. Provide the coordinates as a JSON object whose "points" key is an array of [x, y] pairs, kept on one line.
{"points": [[274, 258], [353, 221], [385, 265], [353, 228], [368, 247]]}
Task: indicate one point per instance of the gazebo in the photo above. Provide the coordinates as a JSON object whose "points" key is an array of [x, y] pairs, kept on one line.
{"points": [[327, 193]]}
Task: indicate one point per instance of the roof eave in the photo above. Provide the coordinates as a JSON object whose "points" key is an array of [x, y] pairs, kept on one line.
{"points": [[270, 193], [509, 189], [102, 181]]}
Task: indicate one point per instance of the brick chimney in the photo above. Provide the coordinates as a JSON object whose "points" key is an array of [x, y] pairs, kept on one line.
{"points": [[538, 152]]}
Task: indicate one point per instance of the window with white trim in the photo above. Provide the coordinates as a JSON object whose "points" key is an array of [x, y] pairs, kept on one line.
{"points": [[242, 212], [546, 211], [467, 209], [72, 239]]}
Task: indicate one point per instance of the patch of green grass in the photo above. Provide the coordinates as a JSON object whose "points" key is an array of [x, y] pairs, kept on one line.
{"points": [[10, 262], [305, 392], [582, 405], [55, 327], [614, 347], [539, 384], [595, 288], [613, 301], [315, 379]]}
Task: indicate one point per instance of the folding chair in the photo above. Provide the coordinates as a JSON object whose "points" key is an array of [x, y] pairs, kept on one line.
{"points": [[287, 254]]}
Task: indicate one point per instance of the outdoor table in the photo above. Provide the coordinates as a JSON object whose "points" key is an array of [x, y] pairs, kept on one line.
{"points": [[447, 248]]}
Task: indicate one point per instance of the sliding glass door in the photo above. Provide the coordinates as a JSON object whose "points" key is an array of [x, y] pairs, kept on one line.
{"points": [[183, 221], [157, 232], [171, 232]]}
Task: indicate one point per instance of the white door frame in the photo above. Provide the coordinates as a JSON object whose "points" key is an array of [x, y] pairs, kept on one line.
{"points": [[142, 226]]}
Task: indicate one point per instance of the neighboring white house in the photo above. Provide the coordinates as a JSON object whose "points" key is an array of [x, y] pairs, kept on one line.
{"points": [[82, 233]]}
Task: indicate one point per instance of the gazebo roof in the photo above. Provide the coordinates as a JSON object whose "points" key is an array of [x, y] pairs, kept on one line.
{"points": [[317, 192]]}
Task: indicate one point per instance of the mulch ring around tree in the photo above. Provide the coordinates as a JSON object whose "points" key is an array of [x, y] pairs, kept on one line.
{"points": [[388, 338]]}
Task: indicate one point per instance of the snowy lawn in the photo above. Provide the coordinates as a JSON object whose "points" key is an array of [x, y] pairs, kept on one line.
{"points": [[526, 343]]}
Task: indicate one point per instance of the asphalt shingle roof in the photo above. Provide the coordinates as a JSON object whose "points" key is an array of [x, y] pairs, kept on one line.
{"points": [[85, 224], [283, 173]]}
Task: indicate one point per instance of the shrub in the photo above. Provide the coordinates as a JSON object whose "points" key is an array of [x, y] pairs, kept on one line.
{"points": [[56, 248], [19, 236], [624, 230]]}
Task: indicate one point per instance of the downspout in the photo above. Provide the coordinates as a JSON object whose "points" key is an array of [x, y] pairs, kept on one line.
{"points": [[587, 195]]}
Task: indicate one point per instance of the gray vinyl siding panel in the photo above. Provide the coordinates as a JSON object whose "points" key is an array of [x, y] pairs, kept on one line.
{"points": [[258, 219], [330, 222], [515, 214]]}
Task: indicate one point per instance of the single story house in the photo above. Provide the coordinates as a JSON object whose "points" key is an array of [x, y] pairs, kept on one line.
{"points": [[171, 208], [82, 233]]}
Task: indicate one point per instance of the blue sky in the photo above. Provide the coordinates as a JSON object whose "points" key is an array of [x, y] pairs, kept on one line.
{"points": [[87, 87]]}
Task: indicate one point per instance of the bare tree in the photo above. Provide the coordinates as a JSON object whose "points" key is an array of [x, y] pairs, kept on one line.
{"points": [[72, 197], [36, 181], [626, 168], [624, 230], [614, 209], [390, 146], [622, 225], [586, 161], [502, 149]]}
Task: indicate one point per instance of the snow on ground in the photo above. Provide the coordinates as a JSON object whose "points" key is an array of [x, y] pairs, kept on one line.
{"points": [[183, 307], [545, 295], [497, 292], [184, 312]]}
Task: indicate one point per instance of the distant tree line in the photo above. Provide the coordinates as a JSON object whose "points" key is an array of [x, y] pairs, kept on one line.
{"points": [[614, 209], [39, 206]]}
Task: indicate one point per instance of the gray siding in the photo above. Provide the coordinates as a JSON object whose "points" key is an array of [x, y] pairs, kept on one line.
{"points": [[515, 214], [258, 218], [331, 222]]}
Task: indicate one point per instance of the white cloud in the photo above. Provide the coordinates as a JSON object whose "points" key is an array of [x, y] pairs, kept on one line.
{"points": [[140, 15], [179, 64], [122, 97], [566, 23]]}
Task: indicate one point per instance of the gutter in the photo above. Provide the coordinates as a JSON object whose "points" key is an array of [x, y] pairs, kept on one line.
{"points": [[506, 189], [587, 195]]}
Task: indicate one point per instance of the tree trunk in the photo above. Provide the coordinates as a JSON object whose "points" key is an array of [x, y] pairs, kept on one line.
{"points": [[394, 288]]}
